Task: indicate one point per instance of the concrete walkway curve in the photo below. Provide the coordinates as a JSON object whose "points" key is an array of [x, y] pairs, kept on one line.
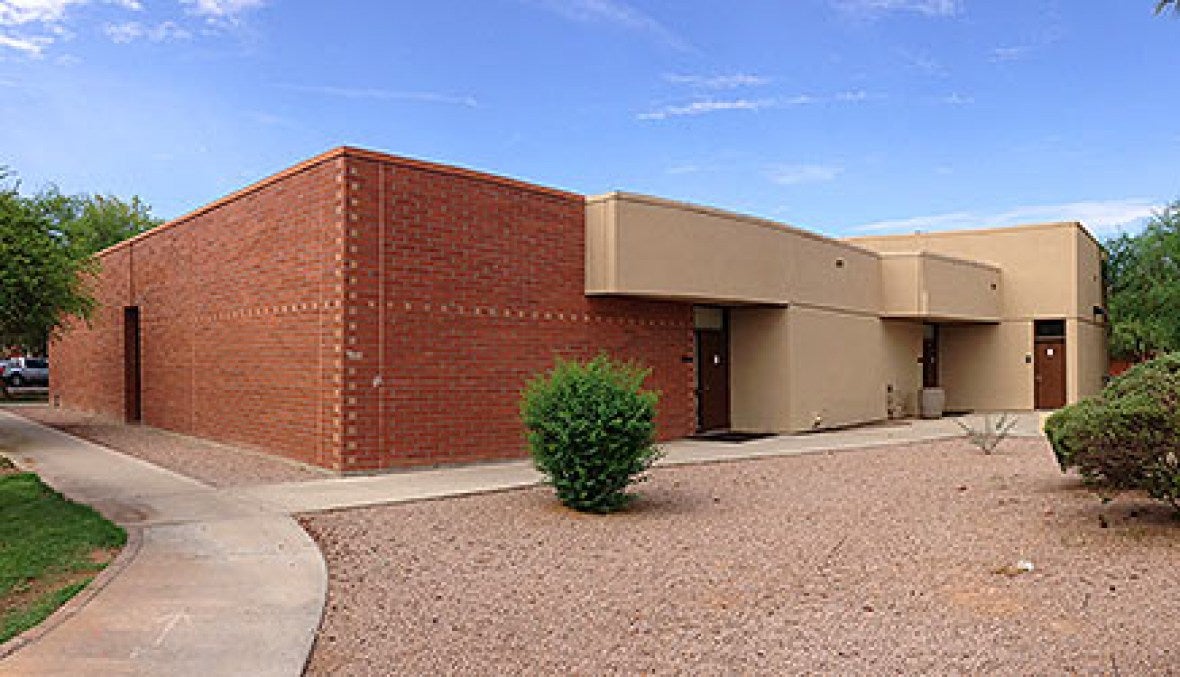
{"points": [[220, 585]]}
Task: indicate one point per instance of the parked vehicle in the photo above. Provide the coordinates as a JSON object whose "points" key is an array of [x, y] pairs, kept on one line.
{"points": [[26, 371]]}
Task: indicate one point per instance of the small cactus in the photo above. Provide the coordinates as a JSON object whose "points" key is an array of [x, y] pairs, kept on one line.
{"points": [[990, 436]]}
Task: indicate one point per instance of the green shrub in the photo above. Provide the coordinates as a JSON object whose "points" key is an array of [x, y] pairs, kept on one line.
{"points": [[591, 431], [1128, 435]]}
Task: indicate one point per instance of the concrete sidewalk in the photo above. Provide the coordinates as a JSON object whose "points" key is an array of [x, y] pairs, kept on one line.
{"points": [[219, 586], [417, 485]]}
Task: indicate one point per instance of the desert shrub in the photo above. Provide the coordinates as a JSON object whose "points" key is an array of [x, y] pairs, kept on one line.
{"points": [[591, 431], [1128, 435]]}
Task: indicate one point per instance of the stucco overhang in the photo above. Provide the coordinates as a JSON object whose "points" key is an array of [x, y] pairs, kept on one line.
{"points": [[637, 245], [929, 286]]}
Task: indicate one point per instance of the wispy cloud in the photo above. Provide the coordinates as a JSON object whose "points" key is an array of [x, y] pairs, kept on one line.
{"points": [[30, 45], [38, 23], [708, 105], [733, 81], [378, 94], [1003, 54], [223, 10], [131, 31], [615, 13], [1101, 216], [32, 26], [957, 99], [23, 12], [873, 8], [854, 96], [789, 175]]}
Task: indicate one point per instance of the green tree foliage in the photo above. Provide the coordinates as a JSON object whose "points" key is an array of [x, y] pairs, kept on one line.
{"points": [[90, 223], [46, 241], [1143, 281], [1164, 5], [591, 430]]}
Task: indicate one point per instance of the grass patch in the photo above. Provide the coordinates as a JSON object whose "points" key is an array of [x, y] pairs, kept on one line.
{"points": [[50, 548]]}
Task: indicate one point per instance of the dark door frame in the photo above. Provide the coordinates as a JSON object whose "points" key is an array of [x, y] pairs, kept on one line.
{"points": [[930, 366], [132, 366], [1049, 333], [1042, 399], [713, 377]]}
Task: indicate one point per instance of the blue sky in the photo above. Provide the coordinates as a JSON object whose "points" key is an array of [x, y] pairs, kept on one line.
{"points": [[843, 116]]}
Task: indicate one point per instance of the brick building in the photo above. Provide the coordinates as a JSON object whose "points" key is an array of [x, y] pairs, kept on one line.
{"points": [[362, 311], [359, 311]]}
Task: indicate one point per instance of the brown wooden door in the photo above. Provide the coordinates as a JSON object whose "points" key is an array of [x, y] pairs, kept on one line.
{"points": [[1049, 374], [712, 380]]}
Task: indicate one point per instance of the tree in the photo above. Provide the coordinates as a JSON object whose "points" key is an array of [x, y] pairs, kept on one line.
{"points": [[46, 243], [1164, 5], [91, 223], [41, 280], [1143, 283]]}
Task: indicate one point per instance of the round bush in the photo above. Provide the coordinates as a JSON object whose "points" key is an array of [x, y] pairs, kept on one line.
{"points": [[591, 431], [1128, 435]]}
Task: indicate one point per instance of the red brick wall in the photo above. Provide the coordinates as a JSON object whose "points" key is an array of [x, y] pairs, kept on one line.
{"points": [[240, 307], [360, 312], [459, 288]]}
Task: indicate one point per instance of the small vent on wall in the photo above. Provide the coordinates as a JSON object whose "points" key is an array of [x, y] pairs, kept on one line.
{"points": [[839, 263]]}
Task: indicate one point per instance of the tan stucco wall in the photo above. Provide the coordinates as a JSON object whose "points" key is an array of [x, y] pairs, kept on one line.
{"points": [[984, 366], [901, 285], [958, 289], [1089, 277], [1086, 358], [901, 345], [1049, 271], [1038, 263], [787, 368], [820, 327], [836, 368], [939, 287], [644, 246], [759, 369]]}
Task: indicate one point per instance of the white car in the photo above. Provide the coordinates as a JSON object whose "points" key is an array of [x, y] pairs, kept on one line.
{"points": [[26, 371]]}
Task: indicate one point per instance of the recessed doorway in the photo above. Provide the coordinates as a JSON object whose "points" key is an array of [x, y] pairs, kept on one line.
{"points": [[1049, 364], [712, 367], [132, 367]]}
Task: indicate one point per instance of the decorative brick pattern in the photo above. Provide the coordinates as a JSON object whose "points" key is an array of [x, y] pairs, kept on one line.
{"points": [[364, 311], [237, 305]]}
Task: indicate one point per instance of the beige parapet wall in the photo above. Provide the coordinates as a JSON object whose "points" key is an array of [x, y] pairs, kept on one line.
{"points": [[935, 286], [1048, 271], [644, 246], [827, 333]]}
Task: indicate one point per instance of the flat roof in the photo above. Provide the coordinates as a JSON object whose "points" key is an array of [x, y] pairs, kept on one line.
{"points": [[986, 230]]}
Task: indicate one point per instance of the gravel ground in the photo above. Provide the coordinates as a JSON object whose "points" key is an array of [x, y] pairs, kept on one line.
{"points": [[880, 561], [213, 463]]}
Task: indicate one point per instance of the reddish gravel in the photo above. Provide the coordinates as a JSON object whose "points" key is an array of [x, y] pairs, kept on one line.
{"points": [[879, 561], [215, 464]]}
